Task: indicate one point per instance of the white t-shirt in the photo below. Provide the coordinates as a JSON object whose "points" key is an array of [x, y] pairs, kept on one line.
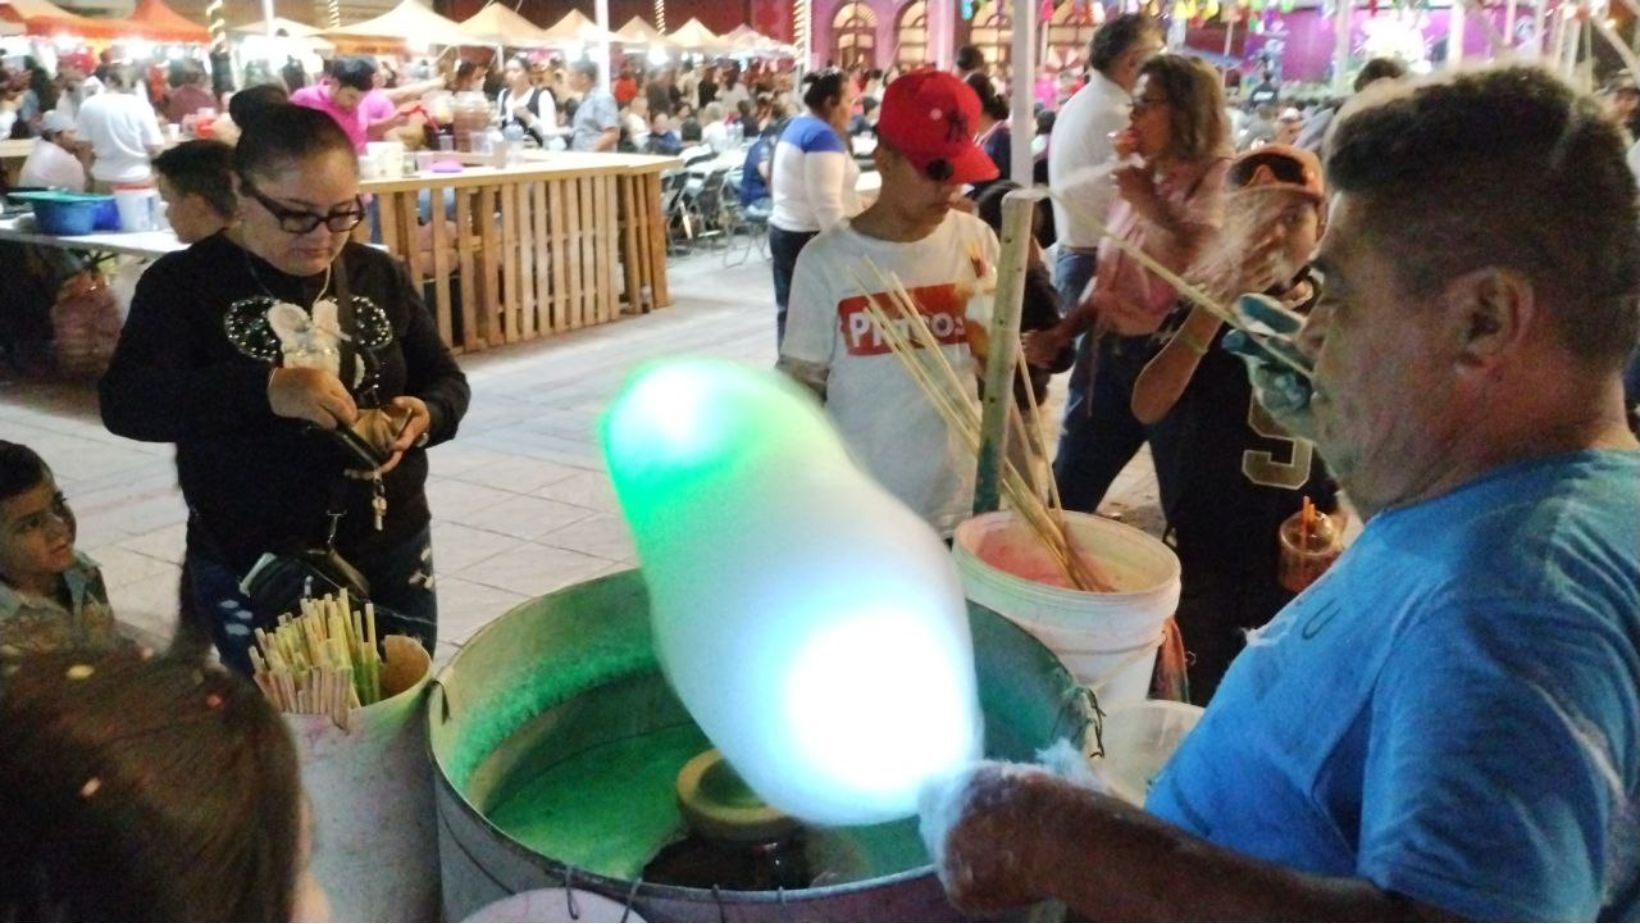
{"points": [[887, 422], [121, 128], [50, 166], [1081, 139]]}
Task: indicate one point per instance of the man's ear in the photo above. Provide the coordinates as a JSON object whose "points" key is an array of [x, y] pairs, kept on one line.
{"points": [[1491, 312]]}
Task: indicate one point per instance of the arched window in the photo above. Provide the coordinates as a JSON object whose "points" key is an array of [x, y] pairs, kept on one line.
{"points": [[991, 32], [1070, 29], [854, 36], [911, 34]]}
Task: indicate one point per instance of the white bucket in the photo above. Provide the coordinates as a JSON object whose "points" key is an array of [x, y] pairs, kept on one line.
{"points": [[1139, 740], [136, 208], [1108, 641], [376, 826]]}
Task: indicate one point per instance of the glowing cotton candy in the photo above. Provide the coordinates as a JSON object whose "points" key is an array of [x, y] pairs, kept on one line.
{"points": [[812, 624]]}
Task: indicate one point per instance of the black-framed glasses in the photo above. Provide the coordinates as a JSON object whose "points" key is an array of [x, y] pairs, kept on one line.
{"points": [[1143, 104], [301, 221]]}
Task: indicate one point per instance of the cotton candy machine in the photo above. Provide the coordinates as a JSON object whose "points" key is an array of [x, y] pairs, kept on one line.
{"points": [[558, 746]]}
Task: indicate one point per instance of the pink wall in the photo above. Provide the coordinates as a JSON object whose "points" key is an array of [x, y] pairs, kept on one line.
{"points": [[1308, 35]]}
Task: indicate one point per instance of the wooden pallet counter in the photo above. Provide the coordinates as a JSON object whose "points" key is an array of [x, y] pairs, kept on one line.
{"points": [[559, 242]]}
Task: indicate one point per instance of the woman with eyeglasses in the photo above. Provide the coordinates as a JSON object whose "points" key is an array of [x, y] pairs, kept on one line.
{"points": [[301, 378], [1168, 206], [1233, 474]]}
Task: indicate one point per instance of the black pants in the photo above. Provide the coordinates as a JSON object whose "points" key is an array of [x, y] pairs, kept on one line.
{"points": [[784, 246], [1100, 435]]}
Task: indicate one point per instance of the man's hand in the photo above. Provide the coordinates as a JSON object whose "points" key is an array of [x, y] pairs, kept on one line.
{"points": [[978, 830], [313, 395]]}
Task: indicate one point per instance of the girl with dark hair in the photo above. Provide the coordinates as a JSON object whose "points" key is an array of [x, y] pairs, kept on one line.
{"points": [[529, 107], [301, 378], [993, 134], [108, 817]]}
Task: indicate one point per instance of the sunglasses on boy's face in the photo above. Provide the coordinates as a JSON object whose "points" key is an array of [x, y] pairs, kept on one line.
{"points": [[301, 221]]}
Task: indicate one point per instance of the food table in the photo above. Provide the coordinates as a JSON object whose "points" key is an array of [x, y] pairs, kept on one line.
{"points": [[150, 245], [556, 242]]}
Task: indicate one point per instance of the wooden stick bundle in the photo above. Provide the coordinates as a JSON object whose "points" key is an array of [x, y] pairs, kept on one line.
{"points": [[920, 353], [324, 661]]}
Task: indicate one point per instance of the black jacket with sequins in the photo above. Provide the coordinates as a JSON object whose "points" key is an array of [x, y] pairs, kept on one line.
{"points": [[256, 482]]}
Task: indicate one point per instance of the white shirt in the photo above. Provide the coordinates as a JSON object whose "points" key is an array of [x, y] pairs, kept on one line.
{"points": [[716, 136], [812, 177], [50, 166], [1081, 139], [887, 422], [1634, 160], [121, 128]]}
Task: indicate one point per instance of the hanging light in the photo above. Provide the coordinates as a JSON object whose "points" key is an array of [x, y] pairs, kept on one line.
{"points": [[660, 16]]}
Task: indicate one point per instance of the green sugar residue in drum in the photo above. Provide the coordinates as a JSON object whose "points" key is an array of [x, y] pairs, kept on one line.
{"points": [[607, 810]]}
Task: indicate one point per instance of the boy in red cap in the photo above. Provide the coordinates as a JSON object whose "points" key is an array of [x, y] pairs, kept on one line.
{"points": [[925, 153]]}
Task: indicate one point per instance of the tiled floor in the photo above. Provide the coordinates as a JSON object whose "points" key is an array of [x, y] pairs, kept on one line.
{"points": [[520, 502]]}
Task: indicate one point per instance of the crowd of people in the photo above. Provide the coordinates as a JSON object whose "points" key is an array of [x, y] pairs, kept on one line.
{"points": [[1447, 724]]}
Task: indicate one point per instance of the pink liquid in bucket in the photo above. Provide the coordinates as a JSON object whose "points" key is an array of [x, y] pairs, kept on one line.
{"points": [[1025, 557]]}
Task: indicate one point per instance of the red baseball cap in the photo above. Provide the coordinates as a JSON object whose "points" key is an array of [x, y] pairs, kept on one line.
{"points": [[929, 117]]}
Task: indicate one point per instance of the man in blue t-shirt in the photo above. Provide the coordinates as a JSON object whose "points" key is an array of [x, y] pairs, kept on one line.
{"points": [[1447, 724]]}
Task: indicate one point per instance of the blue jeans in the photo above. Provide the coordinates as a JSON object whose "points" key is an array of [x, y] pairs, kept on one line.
{"points": [[784, 246], [1099, 434], [401, 587]]}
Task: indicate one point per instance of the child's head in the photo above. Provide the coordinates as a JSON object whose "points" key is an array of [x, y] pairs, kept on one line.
{"points": [[36, 527], [195, 180], [148, 790], [1273, 220]]}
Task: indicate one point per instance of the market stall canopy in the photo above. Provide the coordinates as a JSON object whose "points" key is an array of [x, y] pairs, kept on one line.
{"points": [[499, 24], [576, 29], [11, 28], [296, 33], [156, 22], [692, 36], [409, 22], [42, 17], [638, 32], [749, 40]]}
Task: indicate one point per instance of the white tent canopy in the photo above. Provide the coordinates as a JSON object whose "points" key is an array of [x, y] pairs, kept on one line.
{"points": [[409, 22], [499, 24], [692, 36], [576, 29], [750, 41], [638, 32], [297, 35]]}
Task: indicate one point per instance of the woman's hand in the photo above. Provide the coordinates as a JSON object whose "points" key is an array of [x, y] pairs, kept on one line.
{"points": [[1042, 346], [1137, 187], [416, 420], [313, 395]]}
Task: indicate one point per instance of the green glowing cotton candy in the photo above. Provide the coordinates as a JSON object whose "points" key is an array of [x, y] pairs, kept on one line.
{"points": [[813, 625]]}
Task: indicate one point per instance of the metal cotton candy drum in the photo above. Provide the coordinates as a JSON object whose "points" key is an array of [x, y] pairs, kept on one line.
{"points": [[557, 742]]}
